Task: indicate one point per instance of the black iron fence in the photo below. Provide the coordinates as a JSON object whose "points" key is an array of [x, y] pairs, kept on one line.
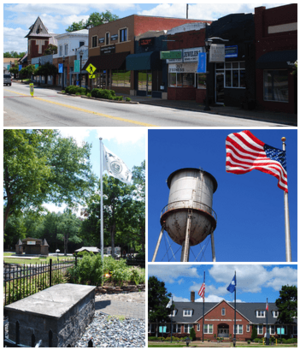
{"points": [[20, 281]]}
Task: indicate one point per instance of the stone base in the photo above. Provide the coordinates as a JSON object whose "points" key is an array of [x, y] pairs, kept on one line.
{"points": [[65, 309]]}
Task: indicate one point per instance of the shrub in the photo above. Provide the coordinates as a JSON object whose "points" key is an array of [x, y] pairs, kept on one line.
{"points": [[128, 99], [291, 341], [87, 271], [77, 94], [192, 334], [254, 333], [63, 91], [89, 94]]}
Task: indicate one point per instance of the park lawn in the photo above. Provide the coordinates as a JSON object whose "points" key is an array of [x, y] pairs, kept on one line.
{"points": [[34, 261]]}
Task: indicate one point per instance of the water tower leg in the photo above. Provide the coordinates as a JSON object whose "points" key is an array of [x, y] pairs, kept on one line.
{"points": [[213, 247], [185, 252], [158, 244]]}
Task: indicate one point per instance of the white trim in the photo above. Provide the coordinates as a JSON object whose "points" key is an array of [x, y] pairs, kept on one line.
{"points": [[187, 315], [248, 328], [262, 331], [198, 327], [223, 314], [260, 316], [207, 328], [275, 313], [237, 328]]}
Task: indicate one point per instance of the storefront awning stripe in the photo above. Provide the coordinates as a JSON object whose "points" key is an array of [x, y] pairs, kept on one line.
{"points": [[277, 59]]}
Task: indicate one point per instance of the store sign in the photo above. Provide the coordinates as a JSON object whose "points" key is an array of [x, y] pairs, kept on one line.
{"points": [[183, 68], [107, 50], [231, 51], [217, 53], [201, 62], [76, 66], [114, 37], [101, 40], [146, 42], [191, 55], [31, 242], [171, 55]]}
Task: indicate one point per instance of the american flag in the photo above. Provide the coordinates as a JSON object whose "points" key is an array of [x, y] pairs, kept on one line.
{"points": [[201, 292], [245, 152], [267, 306]]}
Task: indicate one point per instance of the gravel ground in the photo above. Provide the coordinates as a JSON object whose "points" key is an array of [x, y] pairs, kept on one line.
{"points": [[111, 332]]}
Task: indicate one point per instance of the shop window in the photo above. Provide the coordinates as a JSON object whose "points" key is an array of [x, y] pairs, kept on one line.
{"points": [[183, 80], [276, 86], [235, 75], [201, 81], [107, 38], [239, 329], [123, 35], [120, 78], [208, 329], [94, 41]]}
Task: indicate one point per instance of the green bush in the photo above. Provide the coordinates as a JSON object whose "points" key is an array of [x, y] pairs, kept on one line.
{"points": [[128, 99], [78, 94], [88, 271], [291, 341], [89, 94], [192, 333], [249, 341]]}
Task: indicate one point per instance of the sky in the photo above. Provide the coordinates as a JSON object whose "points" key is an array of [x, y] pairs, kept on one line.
{"points": [[126, 143], [249, 207], [18, 17], [254, 283]]}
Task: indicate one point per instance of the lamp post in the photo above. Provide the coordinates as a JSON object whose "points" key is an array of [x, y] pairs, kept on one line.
{"points": [[40, 75], [63, 73], [207, 47], [81, 53], [57, 251]]}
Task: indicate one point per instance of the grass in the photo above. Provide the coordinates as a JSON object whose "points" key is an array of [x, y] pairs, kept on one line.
{"points": [[33, 261], [120, 318]]}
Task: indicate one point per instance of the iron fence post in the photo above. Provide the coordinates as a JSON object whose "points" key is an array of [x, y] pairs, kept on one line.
{"points": [[50, 273]]}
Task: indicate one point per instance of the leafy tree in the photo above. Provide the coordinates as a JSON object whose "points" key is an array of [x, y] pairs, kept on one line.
{"points": [[192, 333], [50, 50], [68, 228], [40, 166], [158, 299], [27, 72], [46, 70], [287, 305], [94, 20], [14, 54], [254, 333], [14, 71]]}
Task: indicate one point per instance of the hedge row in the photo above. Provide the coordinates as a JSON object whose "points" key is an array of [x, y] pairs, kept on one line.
{"points": [[76, 90], [107, 94]]}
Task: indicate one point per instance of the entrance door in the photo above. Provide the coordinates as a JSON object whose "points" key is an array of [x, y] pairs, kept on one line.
{"points": [[145, 82], [149, 83], [223, 331], [219, 88]]}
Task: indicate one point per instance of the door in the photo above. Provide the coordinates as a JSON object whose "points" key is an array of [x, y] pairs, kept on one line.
{"points": [[219, 86]]}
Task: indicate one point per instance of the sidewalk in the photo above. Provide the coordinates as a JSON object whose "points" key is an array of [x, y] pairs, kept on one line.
{"points": [[276, 117]]}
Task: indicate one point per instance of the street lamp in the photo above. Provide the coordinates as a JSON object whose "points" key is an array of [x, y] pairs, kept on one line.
{"points": [[207, 47], [57, 251], [63, 74], [81, 53]]}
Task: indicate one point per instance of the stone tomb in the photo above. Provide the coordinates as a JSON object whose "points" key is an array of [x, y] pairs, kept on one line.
{"points": [[65, 309]]}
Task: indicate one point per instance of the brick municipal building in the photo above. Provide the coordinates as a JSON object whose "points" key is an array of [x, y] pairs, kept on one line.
{"points": [[219, 320]]}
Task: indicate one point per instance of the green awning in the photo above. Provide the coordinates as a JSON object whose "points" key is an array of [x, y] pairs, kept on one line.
{"points": [[143, 61]]}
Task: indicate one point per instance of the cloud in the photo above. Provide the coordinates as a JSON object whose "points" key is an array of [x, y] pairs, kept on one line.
{"points": [[175, 298], [170, 273], [180, 281], [14, 39]]}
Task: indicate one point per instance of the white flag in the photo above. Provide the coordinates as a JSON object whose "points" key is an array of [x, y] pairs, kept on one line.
{"points": [[116, 167]]}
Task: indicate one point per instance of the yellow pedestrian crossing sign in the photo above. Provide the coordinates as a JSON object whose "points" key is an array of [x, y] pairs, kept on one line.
{"points": [[92, 76], [91, 69]]}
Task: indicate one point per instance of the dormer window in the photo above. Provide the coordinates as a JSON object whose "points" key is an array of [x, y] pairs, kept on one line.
{"points": [[260, 313], [275, 313], [223, 311], [187, 313], [174, 312]]}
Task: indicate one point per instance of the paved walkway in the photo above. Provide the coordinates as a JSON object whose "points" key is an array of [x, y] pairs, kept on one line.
{"points": [[127, 305]]}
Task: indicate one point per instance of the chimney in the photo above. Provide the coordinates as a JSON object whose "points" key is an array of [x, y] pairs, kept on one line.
{"points": [[192, 297]]}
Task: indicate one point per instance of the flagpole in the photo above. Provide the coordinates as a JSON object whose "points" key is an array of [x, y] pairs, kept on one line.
{"points": [[101, 205], [288, 251], [267, 309], [203, 309], [234, 328]]}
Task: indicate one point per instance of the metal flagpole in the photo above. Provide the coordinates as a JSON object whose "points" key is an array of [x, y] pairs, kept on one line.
{"points": [[101, 205], [203, 309], [267, 333], [234, 328], [288, 251]]}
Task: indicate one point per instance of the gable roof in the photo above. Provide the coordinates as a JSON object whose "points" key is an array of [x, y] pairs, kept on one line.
{"points": [[38, 29]]}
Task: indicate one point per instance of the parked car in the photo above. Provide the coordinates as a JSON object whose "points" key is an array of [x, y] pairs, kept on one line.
{"points": [[7, 79]]}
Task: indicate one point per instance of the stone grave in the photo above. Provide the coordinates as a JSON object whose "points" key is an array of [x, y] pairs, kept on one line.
{"points": [[65, 309]]}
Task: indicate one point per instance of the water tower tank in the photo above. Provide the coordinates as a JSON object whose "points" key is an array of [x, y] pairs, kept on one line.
{"points": [[191, 195]]}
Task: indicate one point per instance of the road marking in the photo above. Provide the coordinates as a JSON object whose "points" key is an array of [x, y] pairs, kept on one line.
{"points": [[86, 110]]}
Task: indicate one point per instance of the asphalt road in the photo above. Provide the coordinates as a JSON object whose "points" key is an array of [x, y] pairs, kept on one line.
{"points": [[49, 109]]}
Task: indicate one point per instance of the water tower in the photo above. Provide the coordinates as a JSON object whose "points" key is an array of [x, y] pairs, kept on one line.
{"points": [[188, 217]]}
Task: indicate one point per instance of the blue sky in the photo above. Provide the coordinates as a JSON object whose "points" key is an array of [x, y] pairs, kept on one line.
{"points": [[18, 17], [249, 207], [255, 283], [126, 143]]}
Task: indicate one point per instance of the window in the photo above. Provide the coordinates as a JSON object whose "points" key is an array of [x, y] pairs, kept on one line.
{"points": [[60, 50], [66, 49], [260, 313], [248, 328], [235, 75], [174, 328], [295, 330], [123, 35], [276, 86], [120, 78], [223, 312], [81, 43], [208, 329], [187, 312], [107, 38], [187, 328], [272, 330], [260, 329], [275, 313], [239, 329], [198, 327], [281, 330], [182, 80], [94, 41]]}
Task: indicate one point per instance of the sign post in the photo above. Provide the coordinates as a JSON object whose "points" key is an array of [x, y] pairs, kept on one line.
{"points": [[31, 87]]}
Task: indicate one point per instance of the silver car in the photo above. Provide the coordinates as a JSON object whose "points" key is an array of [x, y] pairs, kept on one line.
{"points": [[7, 79]]}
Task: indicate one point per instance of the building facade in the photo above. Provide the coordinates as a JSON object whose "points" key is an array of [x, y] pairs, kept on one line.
{"points": [[276, 53], [219, 320]]}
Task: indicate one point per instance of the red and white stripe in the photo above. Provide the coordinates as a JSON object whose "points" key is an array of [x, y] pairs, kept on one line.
{"points": [[245, 152], [201, 292]]}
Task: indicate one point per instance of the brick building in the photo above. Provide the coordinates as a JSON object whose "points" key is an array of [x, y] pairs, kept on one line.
{"points": [[38, 40], [276, 52], [219, 320], [111, 43]]}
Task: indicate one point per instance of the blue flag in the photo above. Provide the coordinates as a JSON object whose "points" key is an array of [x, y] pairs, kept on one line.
{"points": [[232, 285]]}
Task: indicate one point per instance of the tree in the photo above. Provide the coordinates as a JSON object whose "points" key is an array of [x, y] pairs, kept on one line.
{"points": [[94, 20], [68, 228], [158, 299], [13, 54], [287, 305], [254, 333], [50, 50], [14, 71], [192, 333], [28, 71], [46, 70], [40, 167]]}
